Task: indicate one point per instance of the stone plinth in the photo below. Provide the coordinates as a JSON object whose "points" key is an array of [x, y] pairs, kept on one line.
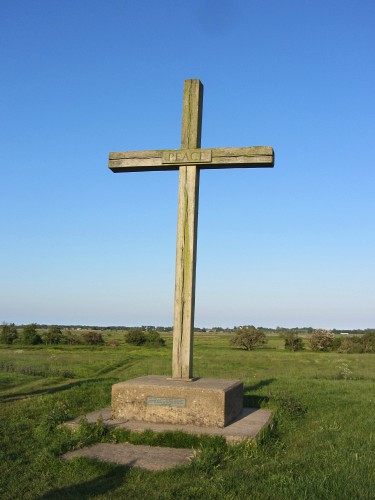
{"points": [[156, 399]]}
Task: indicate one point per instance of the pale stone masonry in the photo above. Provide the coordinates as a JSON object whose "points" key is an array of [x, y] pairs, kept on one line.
{"points": [[204, 402]]}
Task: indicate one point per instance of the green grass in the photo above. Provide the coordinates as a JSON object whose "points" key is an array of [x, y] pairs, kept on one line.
{"points": [[321, 444]]}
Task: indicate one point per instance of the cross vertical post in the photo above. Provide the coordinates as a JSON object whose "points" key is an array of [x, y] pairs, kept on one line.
{"points": [[187, 227]]}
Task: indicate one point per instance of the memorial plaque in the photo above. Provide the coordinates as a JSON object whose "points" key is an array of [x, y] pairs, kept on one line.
{"points": [[175, 402]]}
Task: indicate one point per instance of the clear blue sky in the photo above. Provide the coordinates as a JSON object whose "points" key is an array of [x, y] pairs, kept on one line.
{"points": [[289, 246]]}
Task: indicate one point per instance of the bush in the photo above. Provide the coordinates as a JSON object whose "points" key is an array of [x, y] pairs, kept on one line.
{"points": [[92, 338], [70, 338], [336, 344], [30, 336], [135, 337], [358, 344], [139, 337], [248, 337], [321, 340], [292, 342], [8, 333], [350, 345], [153, 339], [53, 335], [368, 342]]}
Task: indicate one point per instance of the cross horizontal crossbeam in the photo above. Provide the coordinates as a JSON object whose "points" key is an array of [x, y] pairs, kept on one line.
{"points": [[157, 160]]}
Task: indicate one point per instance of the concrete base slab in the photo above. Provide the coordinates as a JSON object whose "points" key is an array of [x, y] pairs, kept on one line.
{"points": [[157, 399], [246, 426], [152, 458]]}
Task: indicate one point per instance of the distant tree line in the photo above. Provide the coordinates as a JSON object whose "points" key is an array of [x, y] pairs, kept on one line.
{"points": [[33, 335], [53, 335], [279, 330], [246, 337], [320, 340]]}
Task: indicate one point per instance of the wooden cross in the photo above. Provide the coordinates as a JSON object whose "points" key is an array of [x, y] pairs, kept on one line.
{"points": [[189, 160]]}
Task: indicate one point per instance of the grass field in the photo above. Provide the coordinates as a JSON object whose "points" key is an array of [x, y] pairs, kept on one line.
{"points": [[321, 444]]}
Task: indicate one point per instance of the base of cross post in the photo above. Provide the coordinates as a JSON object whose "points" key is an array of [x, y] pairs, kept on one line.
{"points": [[158, 399], [174, 379]]}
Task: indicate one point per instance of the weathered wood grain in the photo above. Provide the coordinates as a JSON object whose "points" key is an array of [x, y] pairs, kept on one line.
{"points": [[187, 227], [138, 161]]}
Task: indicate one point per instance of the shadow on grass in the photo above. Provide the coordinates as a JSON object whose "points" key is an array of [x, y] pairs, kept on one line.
{"points": [[255, 401], [99, 486], [48, 390], [115, 366]]}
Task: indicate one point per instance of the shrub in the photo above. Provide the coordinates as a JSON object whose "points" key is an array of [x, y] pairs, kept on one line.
{"points": [[293, 342], [92, 338], [351, 345], [30, 336], [336, 344], [321, 340], [368, 342], [135, 337], [70, 338], [53, 335], [153, 339], [248, 338], [8, 333]]}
